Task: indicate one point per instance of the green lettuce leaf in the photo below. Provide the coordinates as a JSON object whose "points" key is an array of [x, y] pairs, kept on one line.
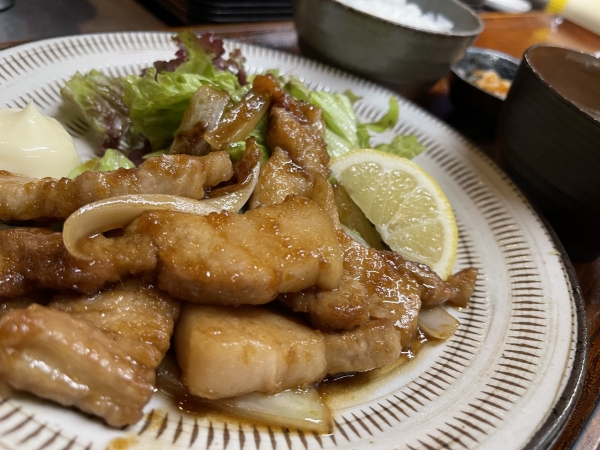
{"points": [[156, 153], [339, 115], [99, 99], [112, 160], [388, 121], [406, 146], [352, 96], [157, 101], [344, 132]]}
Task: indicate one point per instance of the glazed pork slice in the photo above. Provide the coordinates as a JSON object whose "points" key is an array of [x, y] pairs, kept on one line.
{"points": [[98, 354], [221, 258], [343, 308], [379, 284], [371, 288], [299, 129], [280, 177], [32, 258], [141, 316], [376, 284], [373, 345], [225, 352], [23, 198]]}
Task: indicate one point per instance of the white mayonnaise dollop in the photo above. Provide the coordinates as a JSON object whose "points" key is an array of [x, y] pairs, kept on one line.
{"points": [[34, 145]]}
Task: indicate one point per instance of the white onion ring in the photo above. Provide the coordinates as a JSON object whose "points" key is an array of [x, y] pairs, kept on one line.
{"points": [[437, 323], [116, 212], [294, 408]]}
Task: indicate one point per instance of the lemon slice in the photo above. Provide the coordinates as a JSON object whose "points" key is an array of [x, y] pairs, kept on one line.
{"points": [[405, 204]]}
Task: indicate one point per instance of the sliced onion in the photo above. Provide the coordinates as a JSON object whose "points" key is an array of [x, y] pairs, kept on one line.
{"points": [[302, 409], [437, 323], [239, 122], [116, 212], [202, 114], [295, 408]]}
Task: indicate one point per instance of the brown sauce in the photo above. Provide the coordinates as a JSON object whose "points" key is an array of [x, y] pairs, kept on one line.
{"points": [[122, 443], [344, 389]]}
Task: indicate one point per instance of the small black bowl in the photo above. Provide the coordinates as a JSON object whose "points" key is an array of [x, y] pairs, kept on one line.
{"points": [[466, 96], [549, 139]]}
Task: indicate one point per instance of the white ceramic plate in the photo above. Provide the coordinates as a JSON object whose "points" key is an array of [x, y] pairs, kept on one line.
{"points": [[509, 377]]}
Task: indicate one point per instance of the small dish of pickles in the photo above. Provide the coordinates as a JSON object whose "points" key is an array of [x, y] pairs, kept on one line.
{"points": [[480, 81]]}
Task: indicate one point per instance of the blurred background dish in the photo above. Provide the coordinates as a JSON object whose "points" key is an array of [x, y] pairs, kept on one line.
{"points": [[224, 11], [509, 6], [469, 90], [402, 57], [549, 138], [5, 4]]}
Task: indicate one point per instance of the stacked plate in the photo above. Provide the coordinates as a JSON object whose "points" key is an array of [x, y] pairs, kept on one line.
{"points": [[199, 11]]}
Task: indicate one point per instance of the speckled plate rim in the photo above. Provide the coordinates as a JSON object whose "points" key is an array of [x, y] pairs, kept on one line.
{"points": [[14, 69], [561, 413]]}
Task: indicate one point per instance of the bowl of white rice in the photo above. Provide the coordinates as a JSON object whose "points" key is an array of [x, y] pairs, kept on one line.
{"points": [[407, 45]]}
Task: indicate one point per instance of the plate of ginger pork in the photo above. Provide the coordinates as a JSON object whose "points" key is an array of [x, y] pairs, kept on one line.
{"points": [[156, 320]]}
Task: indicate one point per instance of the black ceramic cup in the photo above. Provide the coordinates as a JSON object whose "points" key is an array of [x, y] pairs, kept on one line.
{"points": [[549, 141], [5, 4], [466, 96]]}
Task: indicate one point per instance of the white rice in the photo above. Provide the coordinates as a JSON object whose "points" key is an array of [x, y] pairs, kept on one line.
{"points": [[403, 13]]}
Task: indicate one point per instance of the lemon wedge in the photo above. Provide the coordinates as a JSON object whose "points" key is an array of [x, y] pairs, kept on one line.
{"points": [[408, 208]]}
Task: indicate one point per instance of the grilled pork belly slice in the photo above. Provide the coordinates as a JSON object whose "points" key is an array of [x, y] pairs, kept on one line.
{"points": [[375, 284], [344, 308], [299, 128], [221, 258], [98, 354], [141, 316], [224, 352], [32, 258], [23, 198], [280, 177], [375, 344]]}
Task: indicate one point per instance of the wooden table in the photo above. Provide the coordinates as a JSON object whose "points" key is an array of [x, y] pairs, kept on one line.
{"points": [[511, 34]]}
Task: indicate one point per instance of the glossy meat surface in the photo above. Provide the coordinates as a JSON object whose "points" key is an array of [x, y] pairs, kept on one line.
{"points": [[80, 352], [376, 283], [300, 130], [23, 198], [391, 293], [280, 177], [343, 308], [225, 352], [219, 259], [32, 258], [140, 316], [374, 344]]}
